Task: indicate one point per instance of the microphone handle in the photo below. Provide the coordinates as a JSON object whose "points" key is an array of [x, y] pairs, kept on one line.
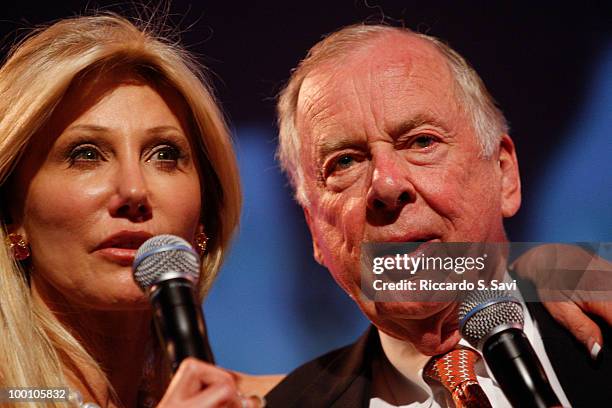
{"points": [[179, 322], [518, 370]]}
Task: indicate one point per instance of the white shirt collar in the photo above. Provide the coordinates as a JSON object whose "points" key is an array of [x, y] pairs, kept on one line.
{"points": [[409, 362]]}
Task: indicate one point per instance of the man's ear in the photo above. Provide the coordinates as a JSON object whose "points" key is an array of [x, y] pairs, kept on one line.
{"points": [[315, 246], [510, 178]]}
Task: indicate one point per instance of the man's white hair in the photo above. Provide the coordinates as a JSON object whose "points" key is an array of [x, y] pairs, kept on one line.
{"points": [[488, 121]]}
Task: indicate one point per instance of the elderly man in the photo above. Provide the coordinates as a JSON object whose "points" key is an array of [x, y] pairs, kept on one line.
{"points": [[389, 136]]}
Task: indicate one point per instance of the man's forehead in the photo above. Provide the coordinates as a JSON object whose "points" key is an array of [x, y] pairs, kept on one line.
{"points": [[383, 52], [391, 62]]}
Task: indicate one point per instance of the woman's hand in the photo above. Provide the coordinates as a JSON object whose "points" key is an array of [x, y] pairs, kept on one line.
{"points": [[201, 385], [549, 266]]}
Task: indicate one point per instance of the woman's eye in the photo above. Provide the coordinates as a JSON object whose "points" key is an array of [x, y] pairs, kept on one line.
{"points": [[85, 154], [423, 141], [166, 153], [166, 156]]}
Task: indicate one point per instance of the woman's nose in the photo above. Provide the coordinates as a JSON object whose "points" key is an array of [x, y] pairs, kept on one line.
{"points": [[131, 198]]}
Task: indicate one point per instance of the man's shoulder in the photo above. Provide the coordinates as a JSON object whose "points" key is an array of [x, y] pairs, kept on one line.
{"points": [[584, 381], [339, 378]]}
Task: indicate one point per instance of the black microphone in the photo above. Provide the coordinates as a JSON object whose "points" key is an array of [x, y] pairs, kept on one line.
{"points": [[166, 268], [492, 322]]}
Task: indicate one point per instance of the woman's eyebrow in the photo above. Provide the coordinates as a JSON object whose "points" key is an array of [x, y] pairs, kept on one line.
{"points": [[88, 127], [97, 128], [164, 128]]}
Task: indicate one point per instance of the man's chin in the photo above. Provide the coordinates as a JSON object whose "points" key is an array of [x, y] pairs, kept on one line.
{"points": [[429, 344], [432, 327], [434, 345]]}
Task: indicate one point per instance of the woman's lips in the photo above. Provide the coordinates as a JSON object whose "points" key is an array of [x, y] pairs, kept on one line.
{"points": [[121, 256], [121, 247]]}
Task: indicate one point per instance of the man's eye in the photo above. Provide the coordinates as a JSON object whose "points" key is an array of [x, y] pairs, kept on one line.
{"points": [[344, 162], [340, 163], [423, 141]]}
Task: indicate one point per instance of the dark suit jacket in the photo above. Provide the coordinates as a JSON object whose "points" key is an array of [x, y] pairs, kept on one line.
{"points": [[342, 378]]}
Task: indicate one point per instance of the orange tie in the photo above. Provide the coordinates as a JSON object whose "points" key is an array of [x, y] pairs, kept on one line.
{"points": [[455, 370]]}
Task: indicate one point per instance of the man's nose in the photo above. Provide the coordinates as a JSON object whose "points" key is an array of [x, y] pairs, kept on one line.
{"points": [[391, 188], [131, 199]]}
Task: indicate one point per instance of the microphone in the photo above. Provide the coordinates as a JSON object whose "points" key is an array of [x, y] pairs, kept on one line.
{"points": [[492, 321], [166, 268]]}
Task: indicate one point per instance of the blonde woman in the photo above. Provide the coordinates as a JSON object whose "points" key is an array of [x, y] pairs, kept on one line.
{"points": [[108, 135]]}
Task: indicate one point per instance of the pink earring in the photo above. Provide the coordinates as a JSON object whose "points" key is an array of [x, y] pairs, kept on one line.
{"points": [[18, 246], [201, 240]]}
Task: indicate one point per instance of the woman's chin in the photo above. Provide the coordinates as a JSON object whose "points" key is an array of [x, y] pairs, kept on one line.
{"points": [[125, 302], [120, 299]]}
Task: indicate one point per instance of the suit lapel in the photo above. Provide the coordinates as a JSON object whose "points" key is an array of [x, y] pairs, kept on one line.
{"points": [[584, 381], [340, 379]]}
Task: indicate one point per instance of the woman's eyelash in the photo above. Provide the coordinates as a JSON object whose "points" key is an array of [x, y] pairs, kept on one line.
{"points": [[84, 153], [168, 157], [167, 153]]}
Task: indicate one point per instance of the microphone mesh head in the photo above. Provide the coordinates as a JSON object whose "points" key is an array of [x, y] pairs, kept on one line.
{"points": [[484, 311], [163, 256]]}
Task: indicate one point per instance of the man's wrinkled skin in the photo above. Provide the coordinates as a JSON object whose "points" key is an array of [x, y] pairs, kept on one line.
{"points": [[390, 155]]}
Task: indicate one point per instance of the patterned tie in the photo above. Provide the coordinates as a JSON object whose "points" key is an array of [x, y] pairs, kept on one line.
{"points": [[455, 370]]}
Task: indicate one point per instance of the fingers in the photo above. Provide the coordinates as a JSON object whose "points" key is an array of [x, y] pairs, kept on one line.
{"points": [[202, 385], [218, 395], [569, 315], [193, 375], [254, 401], [601, 309]]}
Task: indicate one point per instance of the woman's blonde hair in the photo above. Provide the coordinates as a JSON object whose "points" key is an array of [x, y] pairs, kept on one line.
{"points": [[33, 82]]}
